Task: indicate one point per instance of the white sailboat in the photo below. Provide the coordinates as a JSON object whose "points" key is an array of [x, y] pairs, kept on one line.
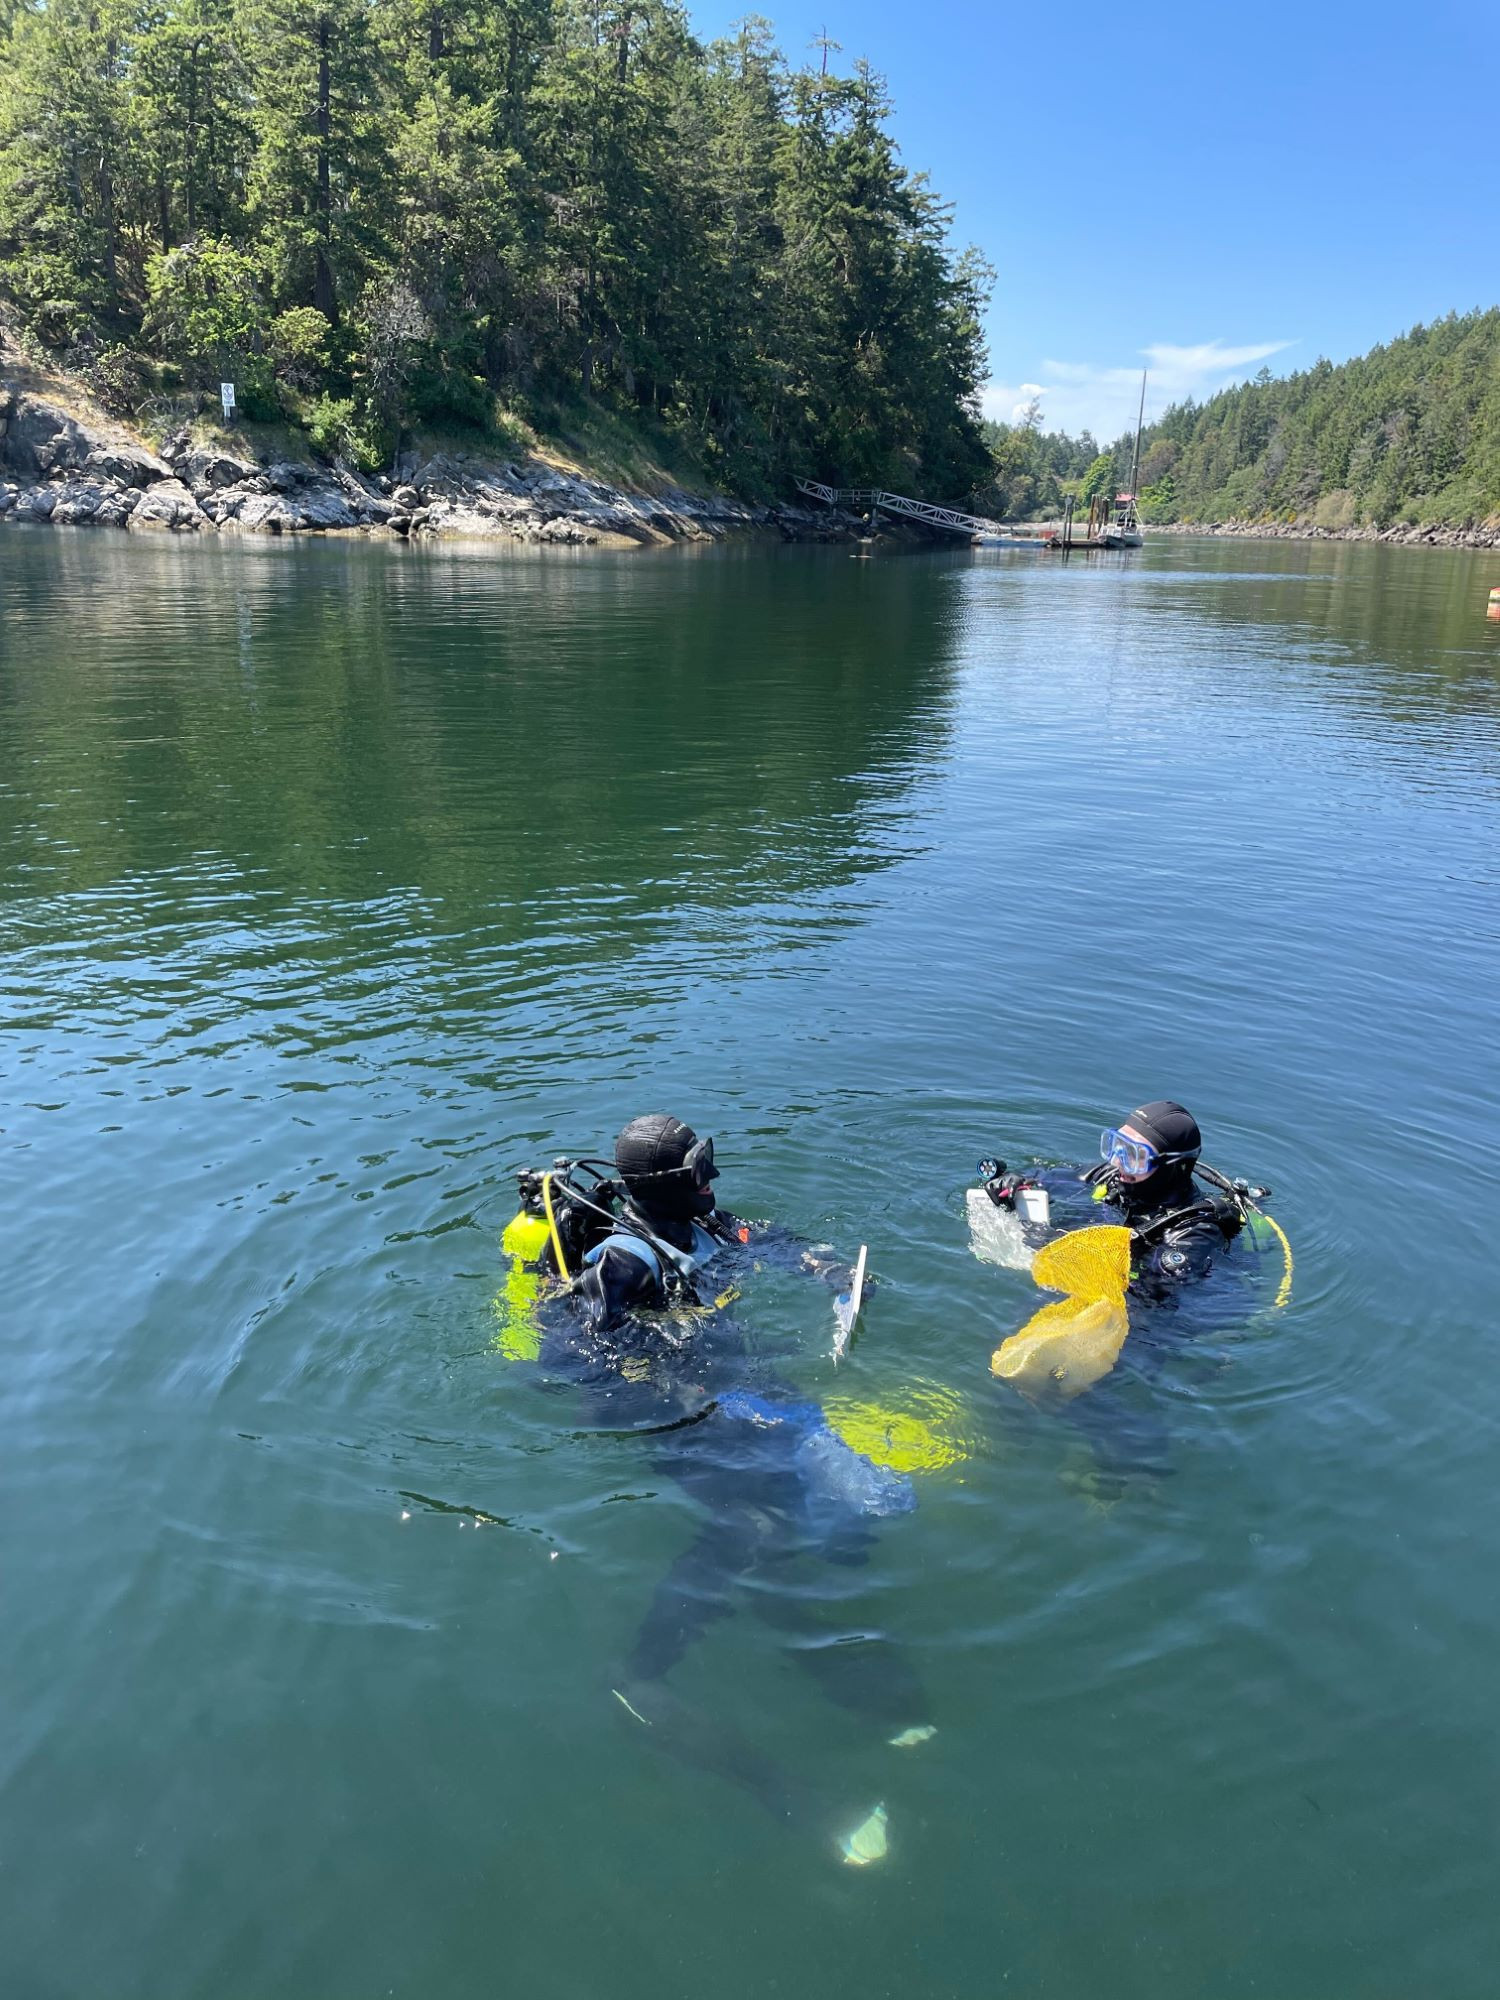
{"points": [[1123, 528]]}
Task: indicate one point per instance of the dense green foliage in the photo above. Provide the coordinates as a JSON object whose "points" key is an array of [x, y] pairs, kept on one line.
{"points": [[1032, 468], [378, 212], [1408, 432]]}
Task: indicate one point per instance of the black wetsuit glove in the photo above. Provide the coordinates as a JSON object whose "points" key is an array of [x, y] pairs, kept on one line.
{"points": [[1001, 1186]]}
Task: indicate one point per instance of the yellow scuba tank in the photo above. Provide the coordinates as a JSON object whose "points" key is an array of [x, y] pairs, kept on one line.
{"points": [[524, 1236], [523, 1240]]}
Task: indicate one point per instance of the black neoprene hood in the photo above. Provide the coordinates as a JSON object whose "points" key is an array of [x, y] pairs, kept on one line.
{"points": [[648, 1156], [1169, 1127], [651, 1145]]}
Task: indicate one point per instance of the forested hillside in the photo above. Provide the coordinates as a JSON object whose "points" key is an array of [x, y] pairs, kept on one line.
{"points": [[1408, 432], [378, 213]]}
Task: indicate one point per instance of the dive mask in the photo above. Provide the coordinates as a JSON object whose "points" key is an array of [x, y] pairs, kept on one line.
{"points": [[699, 1163], [1134, 1158]]}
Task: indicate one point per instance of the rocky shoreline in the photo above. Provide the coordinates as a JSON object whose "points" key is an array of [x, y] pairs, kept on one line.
{"points": [[86, 470], [1486, 536]]}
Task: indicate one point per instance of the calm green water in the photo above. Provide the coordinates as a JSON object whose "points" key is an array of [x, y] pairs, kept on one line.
{"points": [[340, 881]]}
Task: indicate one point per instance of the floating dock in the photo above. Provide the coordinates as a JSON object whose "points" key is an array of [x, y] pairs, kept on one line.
{"points": [[1111, 524]]}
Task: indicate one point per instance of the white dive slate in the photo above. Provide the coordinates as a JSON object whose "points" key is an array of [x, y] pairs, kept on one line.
{"points": [[846, 1307]]}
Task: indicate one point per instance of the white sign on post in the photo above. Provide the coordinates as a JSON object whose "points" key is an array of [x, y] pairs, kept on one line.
{"points": [[226, 397]]}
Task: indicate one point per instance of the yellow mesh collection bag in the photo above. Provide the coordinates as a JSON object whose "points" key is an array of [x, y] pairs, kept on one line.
{"points": [[1069, 1344]]}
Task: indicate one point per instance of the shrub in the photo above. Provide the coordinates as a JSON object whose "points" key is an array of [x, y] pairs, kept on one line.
{"points": [[297, 342], [205, 308], [1335, 509], [439, 393], [339, 429]]}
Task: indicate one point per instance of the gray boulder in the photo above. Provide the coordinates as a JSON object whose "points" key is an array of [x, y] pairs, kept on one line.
{"points": [[265, 514], [203, 471], [117, 506], [126, 464], [77, 502], [227, 503], [168, 504], [325, 507], [41, 441]]}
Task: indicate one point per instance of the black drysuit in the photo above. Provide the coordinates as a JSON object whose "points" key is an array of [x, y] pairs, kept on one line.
{"points": [[734, 1438], [1182, 1236]]}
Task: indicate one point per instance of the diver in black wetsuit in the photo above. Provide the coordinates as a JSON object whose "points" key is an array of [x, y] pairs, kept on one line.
{"points": [[644, 1329], [1148, 1176], [1146, 1173]]}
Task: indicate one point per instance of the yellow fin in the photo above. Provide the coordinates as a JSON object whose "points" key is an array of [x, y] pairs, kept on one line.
{"points": [[867, 1842], [925, 1436]]}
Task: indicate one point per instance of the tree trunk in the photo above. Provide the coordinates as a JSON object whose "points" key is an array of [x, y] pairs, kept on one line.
{"points": [[106, 187], [435, 35], [190, 146], [325, 298], [105, 183], [164, 213]]}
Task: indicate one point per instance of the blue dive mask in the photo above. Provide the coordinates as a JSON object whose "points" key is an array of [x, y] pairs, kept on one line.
{"points": [[1134, 1158]]}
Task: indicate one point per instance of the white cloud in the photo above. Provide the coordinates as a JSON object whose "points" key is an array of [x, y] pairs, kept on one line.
{"points": [[1083, 395]]}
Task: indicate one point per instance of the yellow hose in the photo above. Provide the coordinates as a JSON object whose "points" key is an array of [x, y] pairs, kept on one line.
{"points": [[1284, 1290], [557, 1249]]}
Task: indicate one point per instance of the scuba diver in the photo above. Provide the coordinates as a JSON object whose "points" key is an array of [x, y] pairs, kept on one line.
{"points": [[640, 1268], [1147, 1173], [1170, 1222]]}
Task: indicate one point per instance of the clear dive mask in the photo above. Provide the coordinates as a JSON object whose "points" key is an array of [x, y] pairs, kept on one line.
{"points": [[1135, 1159]]}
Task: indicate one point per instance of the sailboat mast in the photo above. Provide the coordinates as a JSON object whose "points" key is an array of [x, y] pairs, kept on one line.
{"points": [[1140, 424]]}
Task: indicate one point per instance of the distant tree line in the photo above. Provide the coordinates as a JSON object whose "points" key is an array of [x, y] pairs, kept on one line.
{"points": [[1032, 469], [1408, 432], [379, 213]]}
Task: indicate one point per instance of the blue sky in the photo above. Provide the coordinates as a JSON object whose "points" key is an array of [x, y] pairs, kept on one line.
{"points": [[1294, 180]]}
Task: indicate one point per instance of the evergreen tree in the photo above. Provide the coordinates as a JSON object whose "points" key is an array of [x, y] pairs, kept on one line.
{"points": [[65, 136], [190, 89], [322, 186]]}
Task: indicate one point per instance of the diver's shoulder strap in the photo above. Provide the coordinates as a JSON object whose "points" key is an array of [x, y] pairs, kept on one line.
{"points": [[670, 1266], [1224, 1215], [683, 1262], [633, 1246]]}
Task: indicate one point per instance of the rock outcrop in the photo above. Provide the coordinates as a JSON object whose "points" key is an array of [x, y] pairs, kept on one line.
{"points": [[86, 472], [1486, 535]]}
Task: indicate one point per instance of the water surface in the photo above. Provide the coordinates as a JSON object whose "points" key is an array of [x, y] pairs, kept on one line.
{"points": [[339, 881]]}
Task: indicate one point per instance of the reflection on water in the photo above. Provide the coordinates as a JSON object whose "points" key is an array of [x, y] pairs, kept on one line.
{"points": [[338, 882]]}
